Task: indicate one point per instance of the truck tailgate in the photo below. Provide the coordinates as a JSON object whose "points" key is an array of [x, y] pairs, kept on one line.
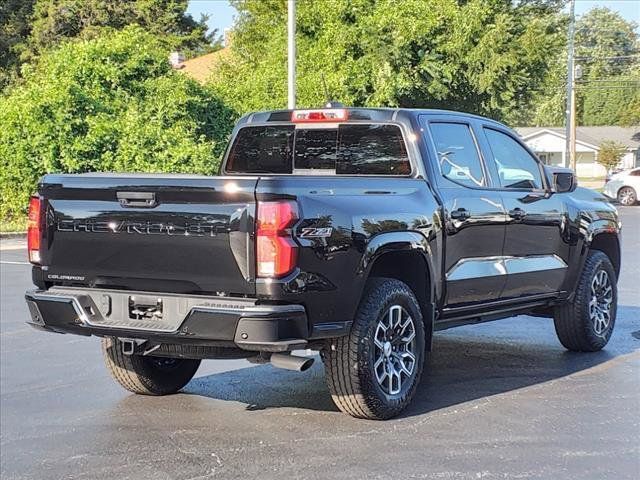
{"points": [[165, 233]]}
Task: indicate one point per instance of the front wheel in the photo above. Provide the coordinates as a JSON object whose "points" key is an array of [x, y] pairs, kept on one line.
{"points": [[627, 196], [374, 371], [586, 323], [147, 375]]}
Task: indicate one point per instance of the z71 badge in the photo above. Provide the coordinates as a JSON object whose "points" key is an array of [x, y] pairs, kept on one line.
{"points": [[310, 232]]}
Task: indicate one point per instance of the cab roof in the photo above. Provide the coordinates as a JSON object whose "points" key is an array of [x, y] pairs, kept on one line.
{"points": [[379, 114]]}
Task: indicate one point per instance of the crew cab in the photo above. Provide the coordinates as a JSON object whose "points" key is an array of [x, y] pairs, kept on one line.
{"points": [[356, 232]]}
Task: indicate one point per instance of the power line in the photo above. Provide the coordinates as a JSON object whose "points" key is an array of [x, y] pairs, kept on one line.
{"points": [[604, 80], [613, 57]]}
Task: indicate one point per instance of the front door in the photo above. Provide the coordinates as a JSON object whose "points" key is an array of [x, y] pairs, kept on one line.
{"points": [[473, 215], [535, 246]]}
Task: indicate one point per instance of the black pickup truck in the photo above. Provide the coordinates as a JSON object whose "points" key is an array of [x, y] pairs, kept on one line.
{"points": [[354, 232]]}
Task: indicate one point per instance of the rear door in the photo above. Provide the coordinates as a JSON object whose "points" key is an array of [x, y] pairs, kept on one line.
{"points": [[474, 217], [536, 249], [165, 233]]}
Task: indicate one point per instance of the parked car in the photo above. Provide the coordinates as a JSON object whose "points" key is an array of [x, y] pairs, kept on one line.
{"points": [[611, 173], [624, 186], [354, 232]]}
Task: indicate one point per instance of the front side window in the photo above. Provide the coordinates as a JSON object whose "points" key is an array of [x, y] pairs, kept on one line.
{"points": [[457, 154], [516, 167]]}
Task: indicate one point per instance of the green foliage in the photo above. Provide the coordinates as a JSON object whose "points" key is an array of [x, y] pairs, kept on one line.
{"points": [[604, 38], [607, 47], [479, 56], [14, 29], [57, 20], [108, 104], [615, 105], [610, 154]]}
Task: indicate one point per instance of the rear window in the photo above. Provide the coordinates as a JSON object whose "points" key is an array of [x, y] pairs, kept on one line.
{"points": [[348, 149]]}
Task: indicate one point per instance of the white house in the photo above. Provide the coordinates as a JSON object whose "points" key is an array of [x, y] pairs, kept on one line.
{"points": [[549, 145]]}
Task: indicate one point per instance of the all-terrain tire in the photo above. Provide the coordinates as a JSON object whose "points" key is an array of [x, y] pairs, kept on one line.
{"points": [[577, 330], [349, 360], [147, 375]]}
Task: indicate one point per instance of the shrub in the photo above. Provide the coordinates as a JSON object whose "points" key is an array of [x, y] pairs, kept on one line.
{"points": [[109, 104]]}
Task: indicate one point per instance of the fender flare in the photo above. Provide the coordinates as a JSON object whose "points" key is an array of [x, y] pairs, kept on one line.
{"points": [[407, 241], [602, 225], [605, 226]]}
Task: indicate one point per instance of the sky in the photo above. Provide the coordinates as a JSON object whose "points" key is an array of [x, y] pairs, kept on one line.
{"points": [[221, 12]]}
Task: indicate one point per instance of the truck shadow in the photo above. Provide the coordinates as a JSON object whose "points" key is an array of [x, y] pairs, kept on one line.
{"points": [[464, 365]]}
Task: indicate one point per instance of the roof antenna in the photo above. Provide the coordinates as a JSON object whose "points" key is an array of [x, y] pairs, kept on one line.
{"points": [[329, 103]]}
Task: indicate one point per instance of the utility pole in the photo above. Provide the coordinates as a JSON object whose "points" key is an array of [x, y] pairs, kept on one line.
{"points": [[572, 136], [571, 104], [577, 74], [291, 54]]}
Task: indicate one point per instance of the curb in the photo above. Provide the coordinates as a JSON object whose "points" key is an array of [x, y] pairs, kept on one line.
{"points": [[10, 235]]}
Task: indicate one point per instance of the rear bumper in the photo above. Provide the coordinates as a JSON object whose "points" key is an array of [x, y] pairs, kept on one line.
{"points": [[193, 320]]}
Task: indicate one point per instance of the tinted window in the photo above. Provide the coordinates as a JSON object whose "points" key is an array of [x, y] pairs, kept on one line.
{"points": [[349, 149], [457, 154], [635, 173], [372, 150], [316, 149], [262, 150], [516, 167]]}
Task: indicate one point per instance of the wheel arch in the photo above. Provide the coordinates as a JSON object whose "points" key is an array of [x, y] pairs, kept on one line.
{"points": [[608, 243], [404, 256]]}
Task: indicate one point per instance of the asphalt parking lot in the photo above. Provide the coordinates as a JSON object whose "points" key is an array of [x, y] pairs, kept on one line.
{"points": [[498, 400]]}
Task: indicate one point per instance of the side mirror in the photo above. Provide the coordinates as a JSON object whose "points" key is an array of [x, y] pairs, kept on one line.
{"points": [[563, 179]]}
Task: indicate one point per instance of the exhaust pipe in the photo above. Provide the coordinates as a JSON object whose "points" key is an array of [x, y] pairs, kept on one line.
{"points": [[291, 362]]}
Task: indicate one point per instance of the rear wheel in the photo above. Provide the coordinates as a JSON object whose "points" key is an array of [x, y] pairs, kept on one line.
{"points": [[374, 371], [147, 375], [627, 196], [586, 323]]}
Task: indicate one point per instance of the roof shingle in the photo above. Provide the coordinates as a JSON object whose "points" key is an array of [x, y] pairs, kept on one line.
{"points": [[629, 136]]}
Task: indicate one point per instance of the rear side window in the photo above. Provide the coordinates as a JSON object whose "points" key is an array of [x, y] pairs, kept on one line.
{"points": [[457, 154], [347, 149]]}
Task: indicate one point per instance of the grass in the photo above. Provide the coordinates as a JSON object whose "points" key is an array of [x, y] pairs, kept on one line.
{"points": [[13, 225]]}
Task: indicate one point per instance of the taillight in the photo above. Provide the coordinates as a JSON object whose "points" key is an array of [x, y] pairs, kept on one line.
{"points": [[276, 252], [34, 229]]}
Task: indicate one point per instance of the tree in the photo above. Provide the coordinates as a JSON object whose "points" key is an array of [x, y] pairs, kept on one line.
{"points": [[604, 41], [610, 154], [109, 104], [608, 50], [478, 56], [54, 21], [14, 29]]}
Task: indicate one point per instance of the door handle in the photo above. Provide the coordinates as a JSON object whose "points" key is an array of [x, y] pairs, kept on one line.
{"points": [[137, 199], [460, 214], [517, 213]]}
